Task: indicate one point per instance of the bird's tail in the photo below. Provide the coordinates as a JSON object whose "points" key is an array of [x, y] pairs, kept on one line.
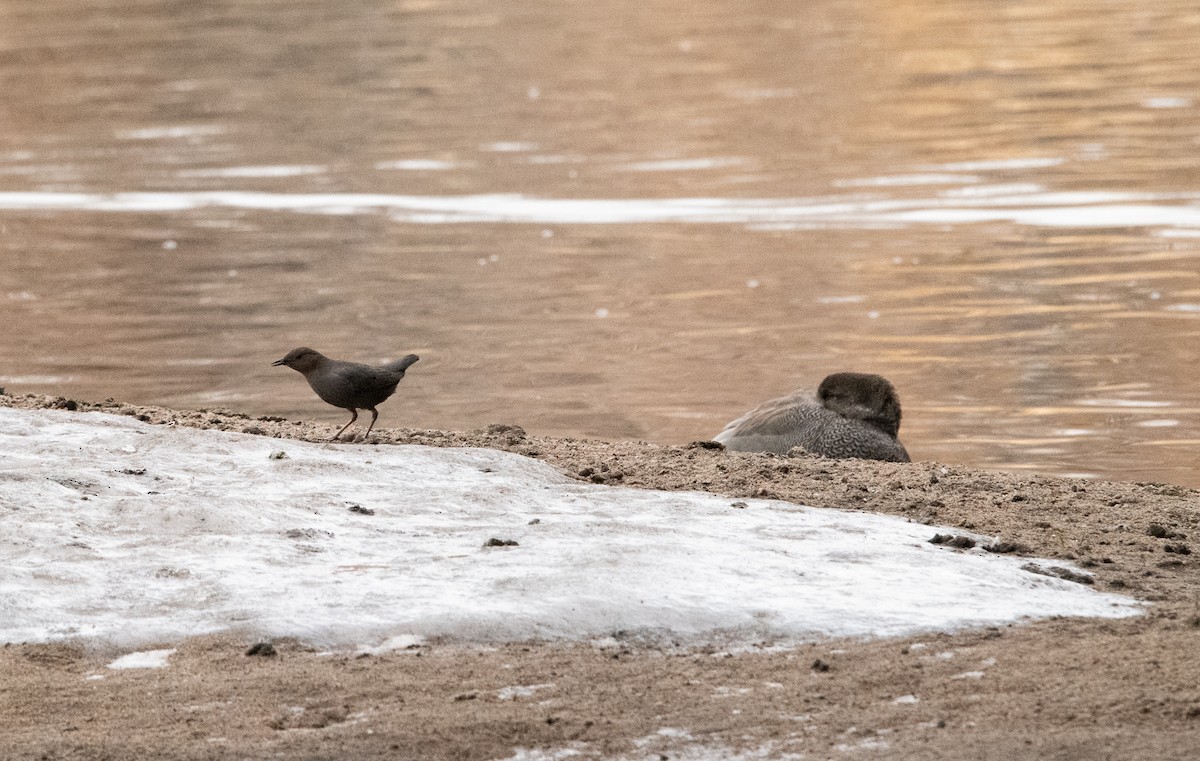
{"points": [[401, 365]]}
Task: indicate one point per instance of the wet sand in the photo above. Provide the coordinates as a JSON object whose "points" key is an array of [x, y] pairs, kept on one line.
{"points": [[1055, 689]]}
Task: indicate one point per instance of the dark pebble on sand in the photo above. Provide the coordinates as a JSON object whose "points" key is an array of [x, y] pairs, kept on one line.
{"points": [[1004, 548], [715, 445], [494, 542], [1162, 532], [513, 433], [263, 650], [1056, 571], [1178, 549], [950, 540], [820, 665], [361, 510]]}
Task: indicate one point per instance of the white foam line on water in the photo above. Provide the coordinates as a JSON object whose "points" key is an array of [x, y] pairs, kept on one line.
{"points": [[1103, 216], [982, 191], [121, 532], [683, 165], [1064, 209], [171, 132], [289, 170], [900, 180], [1042, 162], [417, 165], [1167, 102]]}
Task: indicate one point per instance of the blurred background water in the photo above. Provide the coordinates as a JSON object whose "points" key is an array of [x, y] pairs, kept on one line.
{"points": [[621, 220]]}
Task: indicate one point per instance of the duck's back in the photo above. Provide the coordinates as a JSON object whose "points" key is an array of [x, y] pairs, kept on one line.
{"points": [[799, 420]]}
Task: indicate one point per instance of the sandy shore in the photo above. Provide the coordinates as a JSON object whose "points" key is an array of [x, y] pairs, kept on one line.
{"points": [[1061, 689]]}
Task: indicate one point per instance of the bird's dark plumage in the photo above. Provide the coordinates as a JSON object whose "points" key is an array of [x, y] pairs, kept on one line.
{"points": [[850, 415], [348, 385]]}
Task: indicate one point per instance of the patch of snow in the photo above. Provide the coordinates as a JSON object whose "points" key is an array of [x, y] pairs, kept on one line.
{"points": [[393, 644], [867, 743], [671, 732], [145, 659], [536, 754], [728, 692], [680, 745], [520, 691], [122, 532]]}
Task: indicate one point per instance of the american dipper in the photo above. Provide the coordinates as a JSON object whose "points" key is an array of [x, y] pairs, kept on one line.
{"points": [[348, 385], [850, 415]]}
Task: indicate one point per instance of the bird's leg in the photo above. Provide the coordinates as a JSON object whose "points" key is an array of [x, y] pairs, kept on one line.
{"points": [[353, 417], [374, 417]]}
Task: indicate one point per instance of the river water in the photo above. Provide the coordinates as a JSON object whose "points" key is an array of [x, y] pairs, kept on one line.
{"points": [[621, 220]]}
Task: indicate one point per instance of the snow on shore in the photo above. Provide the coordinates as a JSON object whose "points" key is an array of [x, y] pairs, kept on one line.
{"points": [[118, 532]]}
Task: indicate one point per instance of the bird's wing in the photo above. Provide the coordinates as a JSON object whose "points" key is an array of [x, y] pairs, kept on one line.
{"points": [[773, 418], [366, 378]]}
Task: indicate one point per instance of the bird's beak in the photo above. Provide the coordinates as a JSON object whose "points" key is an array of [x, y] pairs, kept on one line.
{"points": [[279, 362]]}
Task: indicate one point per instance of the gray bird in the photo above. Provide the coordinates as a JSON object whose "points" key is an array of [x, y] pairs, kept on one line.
{"points": [[348, 385], [850, 415]]}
